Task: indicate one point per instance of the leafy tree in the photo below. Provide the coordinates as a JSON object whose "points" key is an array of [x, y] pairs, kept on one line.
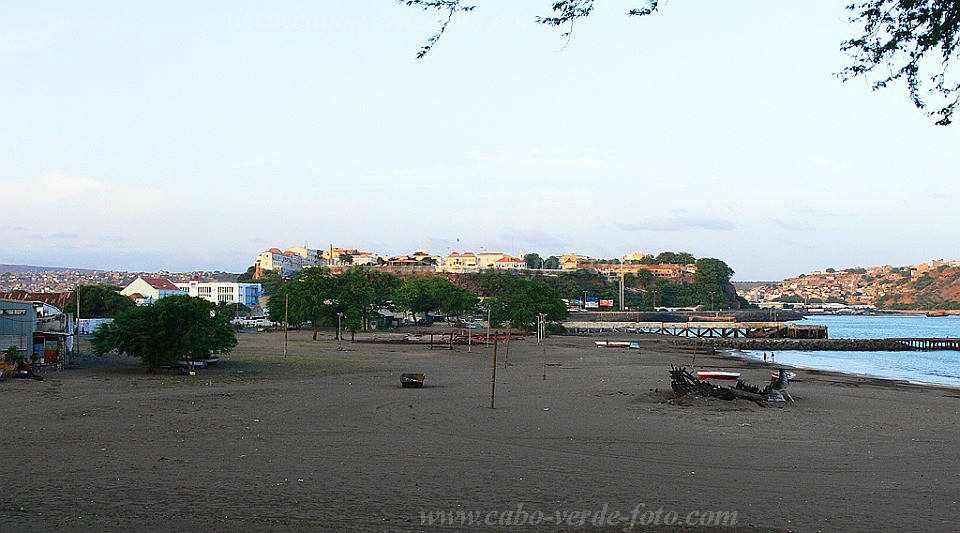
{"points": [[271, 280], [711, 281], [346, 259], [913, 40], [422, 295], [306, 298], [533, 261], [686, 258], [910, 40], [551, 263], [234, 309], [665, 257], [359, 292], [522, 300], [99, 301], [172, 329]]}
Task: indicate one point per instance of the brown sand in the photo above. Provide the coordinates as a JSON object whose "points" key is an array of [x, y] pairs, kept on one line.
{"points": [[327, 440]]}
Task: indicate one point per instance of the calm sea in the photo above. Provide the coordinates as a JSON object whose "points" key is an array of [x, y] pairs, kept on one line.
{"points": [[930, 367]]}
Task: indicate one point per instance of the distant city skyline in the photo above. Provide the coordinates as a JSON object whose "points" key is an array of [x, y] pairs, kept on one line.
{"points": [[193, 137]]}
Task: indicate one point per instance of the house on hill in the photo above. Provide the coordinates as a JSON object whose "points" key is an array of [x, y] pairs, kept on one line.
{"points": [[150, 290]]}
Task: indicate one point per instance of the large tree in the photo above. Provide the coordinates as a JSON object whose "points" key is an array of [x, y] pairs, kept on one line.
{"points": [[309, 297], [172, 329], [422, 295], [910, 40], [361, 291], [99, 301], [519, 300]]}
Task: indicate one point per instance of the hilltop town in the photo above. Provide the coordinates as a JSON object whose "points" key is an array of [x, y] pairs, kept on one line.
{"points": [[41, 279], [933, 285]]}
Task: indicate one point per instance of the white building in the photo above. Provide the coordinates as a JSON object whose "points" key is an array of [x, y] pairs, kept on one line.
{"points": [[510, 263], [145, 291], [308, 257], [284, 263], [224, 292]]}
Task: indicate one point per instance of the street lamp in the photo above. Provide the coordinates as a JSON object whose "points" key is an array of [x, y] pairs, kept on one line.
{"points": [[339, 332]]}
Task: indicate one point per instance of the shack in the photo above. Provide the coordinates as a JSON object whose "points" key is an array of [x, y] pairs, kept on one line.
{"points": [[36, 328]]}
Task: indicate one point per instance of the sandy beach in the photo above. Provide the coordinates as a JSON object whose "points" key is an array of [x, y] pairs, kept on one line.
{"points": [[328, 440]]}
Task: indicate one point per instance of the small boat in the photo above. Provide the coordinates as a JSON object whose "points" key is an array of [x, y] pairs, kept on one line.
{"points": [[936, 313], [615, 344], [776, 376], [717, 374], [411, 381]]}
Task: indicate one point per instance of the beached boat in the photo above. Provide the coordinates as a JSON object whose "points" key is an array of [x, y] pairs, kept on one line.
{"points": [[618, 344], [936, 313], [411, 380], [717, 374]]}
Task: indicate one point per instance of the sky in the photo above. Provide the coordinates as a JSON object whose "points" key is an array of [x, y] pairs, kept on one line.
{"points": [[180, 136]]}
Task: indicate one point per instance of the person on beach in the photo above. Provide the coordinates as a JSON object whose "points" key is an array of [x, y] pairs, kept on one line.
{"points": [[764, 357]]}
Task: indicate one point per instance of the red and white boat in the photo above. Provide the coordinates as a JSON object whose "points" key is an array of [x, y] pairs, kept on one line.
{"points": [[717, 374]]}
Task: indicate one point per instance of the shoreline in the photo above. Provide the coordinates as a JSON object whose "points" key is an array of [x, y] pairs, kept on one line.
{"points": [[743, 355]]}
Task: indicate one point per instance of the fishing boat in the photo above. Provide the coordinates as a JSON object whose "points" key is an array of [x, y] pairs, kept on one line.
{"points": [[936, 313], [717, 374], [411, 381]]}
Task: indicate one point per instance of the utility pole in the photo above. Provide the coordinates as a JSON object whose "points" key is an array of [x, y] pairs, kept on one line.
{"points": [[493, 380], [542, 339], [286, 325], [489, 322], [76, 343], [621, 286], [339, 332]]}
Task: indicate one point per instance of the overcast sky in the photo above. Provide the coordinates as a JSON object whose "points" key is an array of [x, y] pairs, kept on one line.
{"points": [[193, 135]]}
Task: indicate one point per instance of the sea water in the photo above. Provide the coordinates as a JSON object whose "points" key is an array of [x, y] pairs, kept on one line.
{"points": [[941, 366]]}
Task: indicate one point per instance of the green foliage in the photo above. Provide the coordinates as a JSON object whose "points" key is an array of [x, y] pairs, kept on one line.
{"points": [[99, 301], [13, 355], [520, 300], [551, 263], [830, 270], [711, 281], [359, 291], [308, 297], [270, 280], [346, 259], [423, 295], [533, 261], [858, 270], [234, 310], [910, 40], [172, 329]]}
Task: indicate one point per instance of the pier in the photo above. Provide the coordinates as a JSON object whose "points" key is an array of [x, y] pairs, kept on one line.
{"points": [[836, 345], [700, 330]]}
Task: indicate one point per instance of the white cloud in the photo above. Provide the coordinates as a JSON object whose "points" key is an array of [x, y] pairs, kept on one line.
{"points": [[54, 187]]}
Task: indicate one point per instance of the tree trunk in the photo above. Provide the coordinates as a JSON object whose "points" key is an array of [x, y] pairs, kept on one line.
{"points": [[314, 329]]}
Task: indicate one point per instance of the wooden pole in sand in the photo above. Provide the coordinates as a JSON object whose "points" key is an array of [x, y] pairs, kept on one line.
{"points": [[543, 342], [507, 356], [286, 325], [493, 380]]}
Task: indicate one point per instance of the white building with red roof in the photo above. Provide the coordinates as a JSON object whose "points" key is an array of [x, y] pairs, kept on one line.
{"points": [[510, 263], [150, 289], [285, 263]]}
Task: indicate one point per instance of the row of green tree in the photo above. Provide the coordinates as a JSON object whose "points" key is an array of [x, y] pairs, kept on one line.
{"points": [[709, 287], [534, 261], [355, 296]]}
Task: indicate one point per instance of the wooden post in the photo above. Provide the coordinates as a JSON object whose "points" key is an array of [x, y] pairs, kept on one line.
{"points": [[507, 356], [286, 325], [493, 380]]}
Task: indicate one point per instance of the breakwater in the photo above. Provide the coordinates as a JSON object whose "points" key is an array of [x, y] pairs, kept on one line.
{"points": [[838, 345]]}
